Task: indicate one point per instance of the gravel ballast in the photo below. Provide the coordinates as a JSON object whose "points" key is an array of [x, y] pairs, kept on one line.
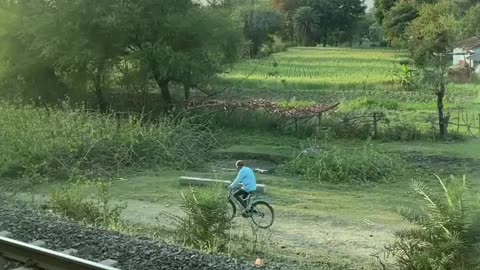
{"points": [[27, 224]]}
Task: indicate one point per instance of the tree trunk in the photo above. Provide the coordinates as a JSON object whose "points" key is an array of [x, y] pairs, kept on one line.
{"points": [[164, 90], [186, 89], [98, 85], [102, 102], [442, 119], [254, 50], [47, 87]]}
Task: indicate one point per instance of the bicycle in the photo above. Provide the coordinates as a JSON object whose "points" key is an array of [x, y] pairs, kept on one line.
{"points": [[258, 210]]}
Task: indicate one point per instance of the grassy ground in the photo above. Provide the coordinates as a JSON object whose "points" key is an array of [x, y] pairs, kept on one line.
{"points": [[340, 224], [318, 223], [319, 68]]}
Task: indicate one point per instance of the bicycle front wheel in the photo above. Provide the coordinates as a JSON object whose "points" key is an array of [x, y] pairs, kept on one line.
{"points": [[262, 214], [231, 209]]}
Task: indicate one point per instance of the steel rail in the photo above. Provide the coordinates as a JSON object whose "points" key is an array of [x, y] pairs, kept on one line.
{"points": [[44, 258]]}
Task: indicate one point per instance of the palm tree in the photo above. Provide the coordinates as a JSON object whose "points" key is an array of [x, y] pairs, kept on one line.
{"points": [[306, 22]]}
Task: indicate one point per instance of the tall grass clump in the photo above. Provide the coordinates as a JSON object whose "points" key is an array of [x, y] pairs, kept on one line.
{"points": [[445, 233], [343, 166], [88, 202], [206, 222], [63, 142]]}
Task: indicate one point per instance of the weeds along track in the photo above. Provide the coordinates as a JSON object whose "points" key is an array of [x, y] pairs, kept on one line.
{"points": [[35, 256], [95, 245]]}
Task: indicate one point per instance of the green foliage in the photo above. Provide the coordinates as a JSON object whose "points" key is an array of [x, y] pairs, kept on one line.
{"points": [[73, 202], [183, 46], [406, 78], [382, 7], [50, 49], [433, 31], [259, 25], [206, 223], [375, 34], [444, 236], [63, 142], [369, 103], [319, 69], [343, 166], [470, 24], [397, 21], [336, 16], [306, 23]]}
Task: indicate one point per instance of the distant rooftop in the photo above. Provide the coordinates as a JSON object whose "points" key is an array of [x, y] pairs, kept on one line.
{"points": [[469, 44]]}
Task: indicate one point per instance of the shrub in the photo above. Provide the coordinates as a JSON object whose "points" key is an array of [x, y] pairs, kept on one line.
{"points": [[444, 236], [401, 132], [72, 202], [63, 142], [335, 165], [206, 222], [367, 103]]}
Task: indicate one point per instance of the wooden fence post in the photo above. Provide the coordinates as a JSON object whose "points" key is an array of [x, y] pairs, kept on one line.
{"points": [[375, 127], [458, 122], [319, 124], [479, 123]]}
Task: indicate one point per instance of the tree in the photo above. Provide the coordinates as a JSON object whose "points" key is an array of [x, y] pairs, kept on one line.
{"points": [[70, 42], [84, 44], [306, 23], [211, 41], [362, 28], [176, 41], [349, 14], [375, 33], [259, 25], [470, 24], [433, 31], [286, 5], [24, 68], [382, 7], [338, 16], [432, 35], [466, 5], [89, 39], [288, 8], [397, 21]]}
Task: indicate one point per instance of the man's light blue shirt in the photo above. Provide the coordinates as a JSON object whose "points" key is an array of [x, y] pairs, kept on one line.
{"points": [[245, 177]]}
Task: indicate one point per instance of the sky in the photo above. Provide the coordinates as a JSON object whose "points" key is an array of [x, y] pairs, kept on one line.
{"points": [[369, 3]]}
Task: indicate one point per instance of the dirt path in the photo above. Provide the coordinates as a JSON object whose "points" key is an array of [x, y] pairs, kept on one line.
{"points": [[320, 239]]}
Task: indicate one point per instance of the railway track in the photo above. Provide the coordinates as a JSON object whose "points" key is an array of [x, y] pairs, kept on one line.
{"points": [[34, 256]]}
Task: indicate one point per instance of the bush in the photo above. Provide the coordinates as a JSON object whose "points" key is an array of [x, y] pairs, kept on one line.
{"points": [[366, 104], [206, 223], [73, 202], [445, 235], [401, 132], [353, 166], [63, 142]]}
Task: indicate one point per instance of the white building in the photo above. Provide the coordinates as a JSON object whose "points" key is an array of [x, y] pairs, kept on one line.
{"points": [[467, 52]]}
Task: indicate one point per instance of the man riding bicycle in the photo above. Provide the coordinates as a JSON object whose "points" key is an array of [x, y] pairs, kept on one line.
{"points": [[245, 182]]}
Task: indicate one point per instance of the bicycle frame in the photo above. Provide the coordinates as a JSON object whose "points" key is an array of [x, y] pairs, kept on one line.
{"points": [[251, 199]]}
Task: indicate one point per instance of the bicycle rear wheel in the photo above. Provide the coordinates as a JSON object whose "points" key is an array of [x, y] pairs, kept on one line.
{"points": [[262, 214]]}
